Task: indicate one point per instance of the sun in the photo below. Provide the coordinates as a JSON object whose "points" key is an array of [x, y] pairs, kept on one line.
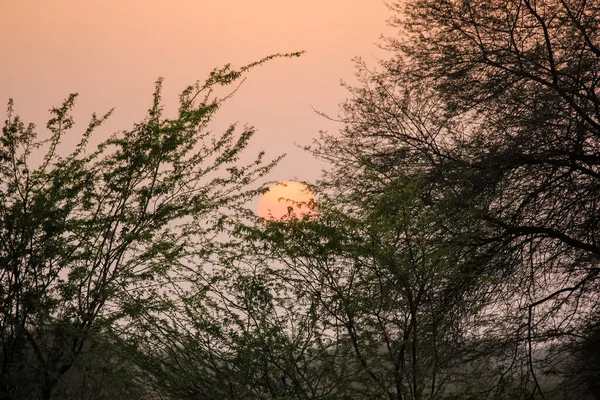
{"points": [[283, 198]]}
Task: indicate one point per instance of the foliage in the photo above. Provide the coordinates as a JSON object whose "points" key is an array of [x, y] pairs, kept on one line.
{"points": [[89, 243], [454, 254], [494, 105], [383, 283]]}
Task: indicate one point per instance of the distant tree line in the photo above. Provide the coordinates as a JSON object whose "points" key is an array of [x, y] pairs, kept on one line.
{"points": [[455, 254]]}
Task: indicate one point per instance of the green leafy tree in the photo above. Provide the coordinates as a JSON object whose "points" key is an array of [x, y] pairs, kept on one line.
{"points": [[89, 242]]}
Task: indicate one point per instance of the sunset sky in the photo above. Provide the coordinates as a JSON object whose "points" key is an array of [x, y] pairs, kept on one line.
{"points": [[112, 51]]}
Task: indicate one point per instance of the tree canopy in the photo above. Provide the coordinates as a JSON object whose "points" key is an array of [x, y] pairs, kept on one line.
{"points": [[93, 241]]}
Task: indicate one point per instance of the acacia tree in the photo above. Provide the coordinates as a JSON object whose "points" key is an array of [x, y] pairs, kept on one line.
{"points": [[527, 72], [88, 242], [496, 104]]}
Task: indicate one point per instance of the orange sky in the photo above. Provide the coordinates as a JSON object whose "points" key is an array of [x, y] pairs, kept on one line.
{"points": [[112, 51]]}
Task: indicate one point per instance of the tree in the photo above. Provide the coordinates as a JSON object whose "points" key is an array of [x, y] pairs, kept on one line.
{"points": [[89, 242], [495, 104]]}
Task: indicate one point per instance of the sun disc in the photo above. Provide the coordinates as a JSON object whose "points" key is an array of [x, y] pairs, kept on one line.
{"points": [[289, 198]]}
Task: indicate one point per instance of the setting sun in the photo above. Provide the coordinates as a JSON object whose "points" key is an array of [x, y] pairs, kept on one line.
{"points": [[284, 197]]}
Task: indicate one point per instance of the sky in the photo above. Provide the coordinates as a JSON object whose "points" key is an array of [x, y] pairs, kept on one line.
{"points": [[112, 51]]}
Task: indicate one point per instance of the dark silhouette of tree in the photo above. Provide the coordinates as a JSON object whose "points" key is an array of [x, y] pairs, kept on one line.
{"points": [[495, 105]]}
